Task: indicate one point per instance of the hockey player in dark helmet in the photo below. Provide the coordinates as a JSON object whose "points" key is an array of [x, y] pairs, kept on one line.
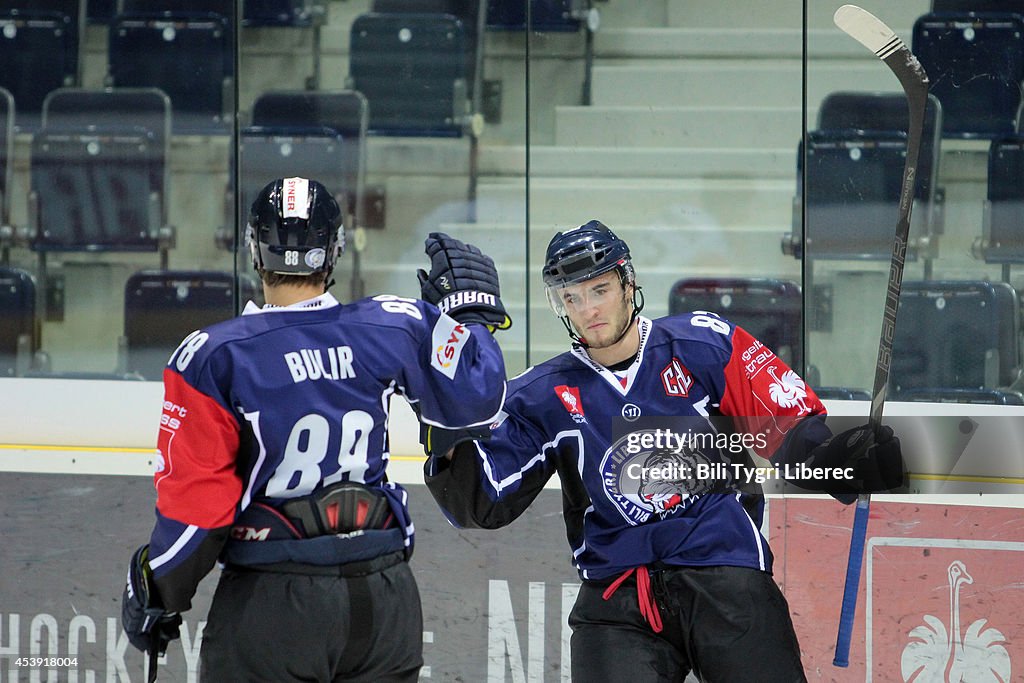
{"points": [[295, 233], [676, 575], [273, 455], [591, 285]]}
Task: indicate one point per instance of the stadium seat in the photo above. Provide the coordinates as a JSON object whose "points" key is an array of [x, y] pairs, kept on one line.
{"points": [[40, 44], [18, 336], [6, 147], [99, 172], [769, 309], [343, 111], [187, 55], [977, 6], [469, 12], [297, 13], [956, 335], [1002, 240], [413, 70], [100, 11], [270, 153], [975, 63], [854, 174], [550, 16], [999, 397], [162, 307]]}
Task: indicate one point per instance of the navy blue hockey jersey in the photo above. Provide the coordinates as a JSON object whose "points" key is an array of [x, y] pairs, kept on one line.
{"points": [[566, 416], [279, 402]]}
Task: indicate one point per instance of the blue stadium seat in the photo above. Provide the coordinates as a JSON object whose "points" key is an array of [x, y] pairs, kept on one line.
{"points": [[99, 172], [977, 6], [6, 148], [100, 11], [40, 43], [550, 16], [162, 307], [956, 335], [975, 63], [298, 13], [270, 153], [545, 15], [867, 112], [769, 309], [468, 12], [413, 70], [188, 56], [343, 111], [1002, 240], [852, 194], [854, 176], [18, 326]]}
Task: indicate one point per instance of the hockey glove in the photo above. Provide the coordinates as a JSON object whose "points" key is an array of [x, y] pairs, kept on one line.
{"points": [[874, 458], [147, 624], [462, 282], [438, 441]]}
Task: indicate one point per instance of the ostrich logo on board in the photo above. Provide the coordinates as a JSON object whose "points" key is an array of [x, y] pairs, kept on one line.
{"points": [[937, 654]]}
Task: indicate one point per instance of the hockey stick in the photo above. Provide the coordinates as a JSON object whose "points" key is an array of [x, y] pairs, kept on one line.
{"points": [[880, 39]]}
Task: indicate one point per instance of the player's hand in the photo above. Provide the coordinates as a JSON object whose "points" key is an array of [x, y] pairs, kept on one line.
{"points": [[462, 282], [874, 457], [440, 442], [146, 623]]}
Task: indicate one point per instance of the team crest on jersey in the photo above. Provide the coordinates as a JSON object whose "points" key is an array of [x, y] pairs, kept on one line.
{"points": [[570, 398], [788, 390], [658, 481]]}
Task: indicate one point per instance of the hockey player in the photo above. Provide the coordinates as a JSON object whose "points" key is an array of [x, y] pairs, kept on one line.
{"points": [[273, 448], [676, 576]]}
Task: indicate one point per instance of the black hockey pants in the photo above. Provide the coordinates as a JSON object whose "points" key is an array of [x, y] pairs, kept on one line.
{"points": [[725, 624]]}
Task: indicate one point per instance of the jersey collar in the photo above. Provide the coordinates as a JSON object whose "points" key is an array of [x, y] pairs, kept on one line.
{"points": [[325, 300], [644, 325]]}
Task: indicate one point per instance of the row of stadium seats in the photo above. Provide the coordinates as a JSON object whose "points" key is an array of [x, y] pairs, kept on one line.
{"points": [[854, 177], [972, 328], [957, 341], [160, 308], [184, 48], [418, 61], [99, 164]]}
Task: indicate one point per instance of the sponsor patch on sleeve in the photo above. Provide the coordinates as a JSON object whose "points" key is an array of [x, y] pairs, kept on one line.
{"points": [[447, 341]]}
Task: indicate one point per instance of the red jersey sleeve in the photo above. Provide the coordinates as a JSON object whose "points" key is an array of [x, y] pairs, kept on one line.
{"points": [[763, 394], [196, 480]]}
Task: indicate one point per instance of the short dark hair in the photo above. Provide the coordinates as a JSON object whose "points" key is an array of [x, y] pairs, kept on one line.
{"points": [[272, 279]]}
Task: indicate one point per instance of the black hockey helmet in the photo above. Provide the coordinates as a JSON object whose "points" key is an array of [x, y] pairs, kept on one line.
{"points": [[581, 254], [584, 253], [295, 228]]}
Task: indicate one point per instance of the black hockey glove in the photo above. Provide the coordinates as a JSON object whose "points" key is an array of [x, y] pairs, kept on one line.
{"points": [[147, 624], [873, 458], [462, 282], [439, 441]]}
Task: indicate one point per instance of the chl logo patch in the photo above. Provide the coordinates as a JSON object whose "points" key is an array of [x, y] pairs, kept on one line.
{"points": [[676, 379]]}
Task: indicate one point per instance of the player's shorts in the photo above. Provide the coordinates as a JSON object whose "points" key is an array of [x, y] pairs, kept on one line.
{"points": [[725, 624], [279, 626]]}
